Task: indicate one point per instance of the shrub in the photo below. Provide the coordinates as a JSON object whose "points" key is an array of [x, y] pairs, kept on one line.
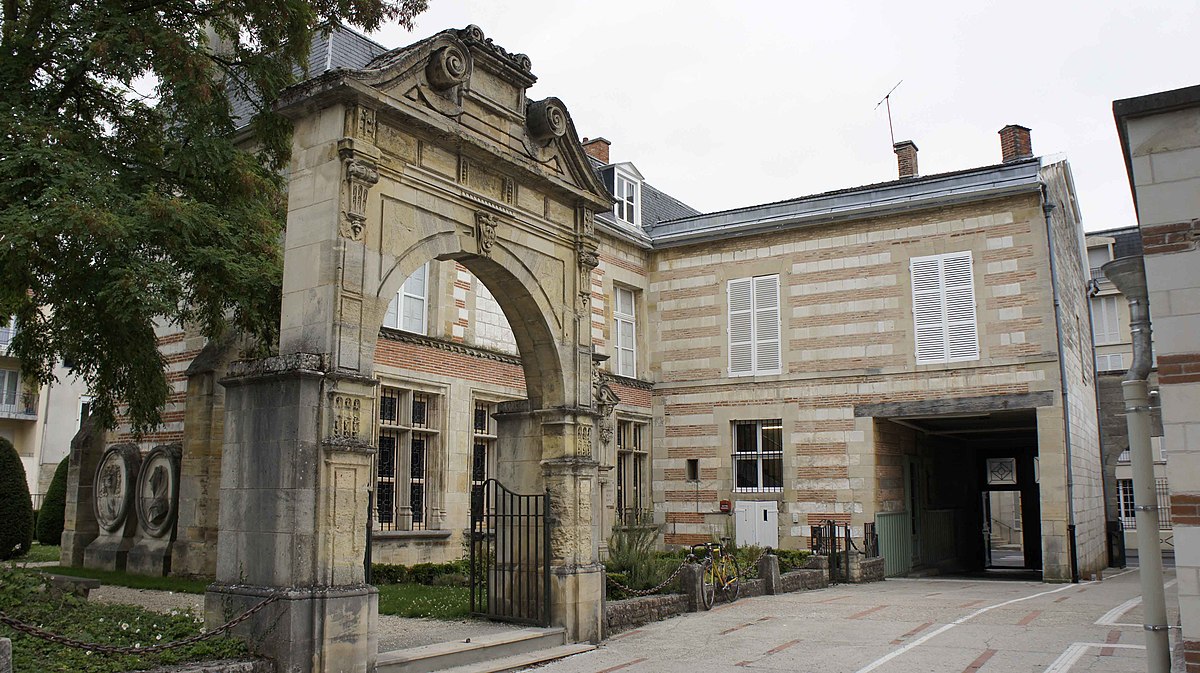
{"points": [[454, 573], [16, 507], [792, 559], [633, 561], [51, 517]]}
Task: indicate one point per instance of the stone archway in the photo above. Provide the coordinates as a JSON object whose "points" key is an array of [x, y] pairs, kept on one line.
{"points": [[433, 151]]}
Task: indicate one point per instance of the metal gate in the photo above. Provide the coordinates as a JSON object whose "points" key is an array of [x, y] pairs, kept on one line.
{"points": [[510, 555]]}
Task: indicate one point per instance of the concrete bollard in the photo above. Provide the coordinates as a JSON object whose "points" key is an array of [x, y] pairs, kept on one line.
{"points": [[5, 655], [768, 571], [691, 579]]}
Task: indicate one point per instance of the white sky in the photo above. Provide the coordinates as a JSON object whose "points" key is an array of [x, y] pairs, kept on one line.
{"points": [[729, 104]]}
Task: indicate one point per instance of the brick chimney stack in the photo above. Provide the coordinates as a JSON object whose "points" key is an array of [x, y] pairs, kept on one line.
{"points": [[906, 158], [1015, 144], [597, 148]]}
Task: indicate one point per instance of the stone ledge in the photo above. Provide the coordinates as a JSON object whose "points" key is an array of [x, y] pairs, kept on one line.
{"points": [[380, 535], [224, 666], [279, 365]]}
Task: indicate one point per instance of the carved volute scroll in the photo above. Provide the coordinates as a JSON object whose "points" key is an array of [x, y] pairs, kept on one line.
{"points": [[448, 67], [547, 119]]}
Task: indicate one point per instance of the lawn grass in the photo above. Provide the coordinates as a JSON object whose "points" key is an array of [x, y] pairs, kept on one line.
{"points": [[40, 553], [419, 600], [23, 596], [176, 584]]}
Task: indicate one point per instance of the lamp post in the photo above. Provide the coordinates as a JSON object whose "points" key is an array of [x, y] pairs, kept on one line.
{"points": [[1129, 275]]}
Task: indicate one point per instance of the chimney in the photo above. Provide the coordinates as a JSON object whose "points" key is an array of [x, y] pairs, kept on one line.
{"points": [[906, 158], [597, 148], [1015, 144]]}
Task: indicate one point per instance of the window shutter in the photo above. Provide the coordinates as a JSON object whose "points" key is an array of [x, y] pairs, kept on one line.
{"points": [[766, 325], [962, 339], [1105, 321], [927, 309], [741, 331]]}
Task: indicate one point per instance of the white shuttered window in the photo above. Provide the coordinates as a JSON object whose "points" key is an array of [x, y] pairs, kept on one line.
{"points": [[943, 291], [1106, 321], [754, 331]]}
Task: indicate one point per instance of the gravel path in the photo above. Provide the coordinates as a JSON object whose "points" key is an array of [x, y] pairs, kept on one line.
{"points": [[395, 633]]}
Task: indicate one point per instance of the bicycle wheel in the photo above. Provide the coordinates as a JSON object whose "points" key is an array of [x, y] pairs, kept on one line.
{"points": [[708, 588], [731, 585]]}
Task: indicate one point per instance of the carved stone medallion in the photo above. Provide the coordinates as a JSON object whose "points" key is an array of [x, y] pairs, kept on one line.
{"points": [[158, 491], [114, 486]]}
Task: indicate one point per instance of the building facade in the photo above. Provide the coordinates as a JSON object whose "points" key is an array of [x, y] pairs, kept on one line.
{"points": [[1160, 139]]}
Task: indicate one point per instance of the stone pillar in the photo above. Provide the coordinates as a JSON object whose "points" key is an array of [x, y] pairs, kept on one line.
{"points": [[296, 469], [80, 526], [691, 580], [194, 553], [5, 655], [768, 570]]}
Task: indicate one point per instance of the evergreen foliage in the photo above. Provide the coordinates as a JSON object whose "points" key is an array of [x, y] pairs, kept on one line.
{"points": [[16, 507], [126, 198], [51, 517]]}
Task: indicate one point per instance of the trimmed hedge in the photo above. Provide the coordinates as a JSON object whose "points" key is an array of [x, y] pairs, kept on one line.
{"points": [[50, 519], [16, 507], [454, 573]]}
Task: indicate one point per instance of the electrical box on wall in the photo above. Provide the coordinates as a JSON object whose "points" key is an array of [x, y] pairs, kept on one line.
{"points": [[726, 506]]}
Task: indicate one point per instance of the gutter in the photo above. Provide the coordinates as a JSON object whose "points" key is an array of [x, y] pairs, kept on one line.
{"points": [[1047, 208]]}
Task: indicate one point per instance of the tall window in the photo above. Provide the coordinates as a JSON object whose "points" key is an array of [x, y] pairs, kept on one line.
{"points": [[408, 309], [626, 329], [633, 498], [628, 193], [754, 326], [1106, 322], [483, 444], [408, 437], [9, 387], [1128, 511], [758, 455], [943, 290], [8, 330]]}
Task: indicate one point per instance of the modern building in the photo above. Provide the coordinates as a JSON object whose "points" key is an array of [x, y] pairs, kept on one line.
{"points": [[1160, 139], [912, 355], [1114, 353], [38, 420]]}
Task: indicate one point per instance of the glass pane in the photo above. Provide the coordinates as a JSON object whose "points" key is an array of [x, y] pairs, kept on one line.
{"points": [[413, 319], [415, 284], [417, 502], [418, 457], [747, 473], [772, 435], [479, 462], [772, 472], [745, 437], [10, 388], [387, 456], [420, 411], [384, 502], [624, 301], [481, 419]]}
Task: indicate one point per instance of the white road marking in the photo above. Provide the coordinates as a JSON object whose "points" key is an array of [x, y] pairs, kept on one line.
{"points": [[1071, 656], [1110, 618], [923, 639]]}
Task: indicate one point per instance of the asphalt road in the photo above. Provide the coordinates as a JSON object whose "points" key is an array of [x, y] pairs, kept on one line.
{"points": [[904, 625]]}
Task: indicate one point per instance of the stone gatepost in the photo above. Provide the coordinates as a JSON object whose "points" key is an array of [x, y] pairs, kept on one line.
{"points": [[80, 527], [295, 474]]}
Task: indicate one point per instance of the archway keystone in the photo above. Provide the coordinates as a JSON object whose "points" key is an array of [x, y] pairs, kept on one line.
{"points": [[431, 152]]}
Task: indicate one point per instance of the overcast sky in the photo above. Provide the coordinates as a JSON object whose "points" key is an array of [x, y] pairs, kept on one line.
{"points": [[729, 104]]}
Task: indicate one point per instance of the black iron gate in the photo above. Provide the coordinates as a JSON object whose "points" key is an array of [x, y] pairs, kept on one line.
{"points": [[510, 555], [833, 540]]}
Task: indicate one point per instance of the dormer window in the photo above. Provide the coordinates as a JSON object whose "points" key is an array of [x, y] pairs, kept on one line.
{"points": [[628, 191]]}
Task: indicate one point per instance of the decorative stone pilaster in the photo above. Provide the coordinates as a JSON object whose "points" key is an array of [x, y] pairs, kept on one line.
{"points": [[296, 469]]}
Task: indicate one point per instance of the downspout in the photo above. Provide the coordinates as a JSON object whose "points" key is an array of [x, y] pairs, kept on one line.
{"points": [[1093, 288], [1048, 208], [1129, 275]]}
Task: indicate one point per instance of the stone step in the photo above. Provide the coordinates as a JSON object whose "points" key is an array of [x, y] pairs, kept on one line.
{"points": [[485, 648], [520, 661]]}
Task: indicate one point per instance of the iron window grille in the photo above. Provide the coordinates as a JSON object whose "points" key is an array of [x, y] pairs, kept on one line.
{"points": [[408, 442], [758, 456], [1128, 509], [632, 501]]}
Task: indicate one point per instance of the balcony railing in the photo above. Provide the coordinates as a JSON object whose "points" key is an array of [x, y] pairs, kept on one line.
{"points": [[25, 411], [7, 332]]}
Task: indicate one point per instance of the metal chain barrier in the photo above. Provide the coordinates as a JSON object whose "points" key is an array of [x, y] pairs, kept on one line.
{"points": [[150, 649], [655, 589]]}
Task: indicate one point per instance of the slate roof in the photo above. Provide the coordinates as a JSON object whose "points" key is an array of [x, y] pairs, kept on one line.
{"points": [[341, 47], [1127, 241], [657, 206]]}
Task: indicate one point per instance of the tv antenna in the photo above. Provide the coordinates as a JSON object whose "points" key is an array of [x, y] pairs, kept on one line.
{"points": [[887, 100]]}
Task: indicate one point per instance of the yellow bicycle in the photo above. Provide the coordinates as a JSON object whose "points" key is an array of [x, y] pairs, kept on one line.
{"points": [[721, 573]]}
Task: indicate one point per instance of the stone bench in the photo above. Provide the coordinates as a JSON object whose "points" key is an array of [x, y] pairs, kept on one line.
{"points": [[75, 586]]}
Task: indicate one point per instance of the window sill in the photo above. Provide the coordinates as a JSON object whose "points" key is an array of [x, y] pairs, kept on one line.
{"points": [[410, 534]]}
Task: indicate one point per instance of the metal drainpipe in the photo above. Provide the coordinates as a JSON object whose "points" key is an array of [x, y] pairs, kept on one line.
{"points": [[1047, 208], [1129, 275], [1094, 289]]}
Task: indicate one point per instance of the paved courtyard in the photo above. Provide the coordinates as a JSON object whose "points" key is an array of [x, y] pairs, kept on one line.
{"points": [[903, 625]]}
